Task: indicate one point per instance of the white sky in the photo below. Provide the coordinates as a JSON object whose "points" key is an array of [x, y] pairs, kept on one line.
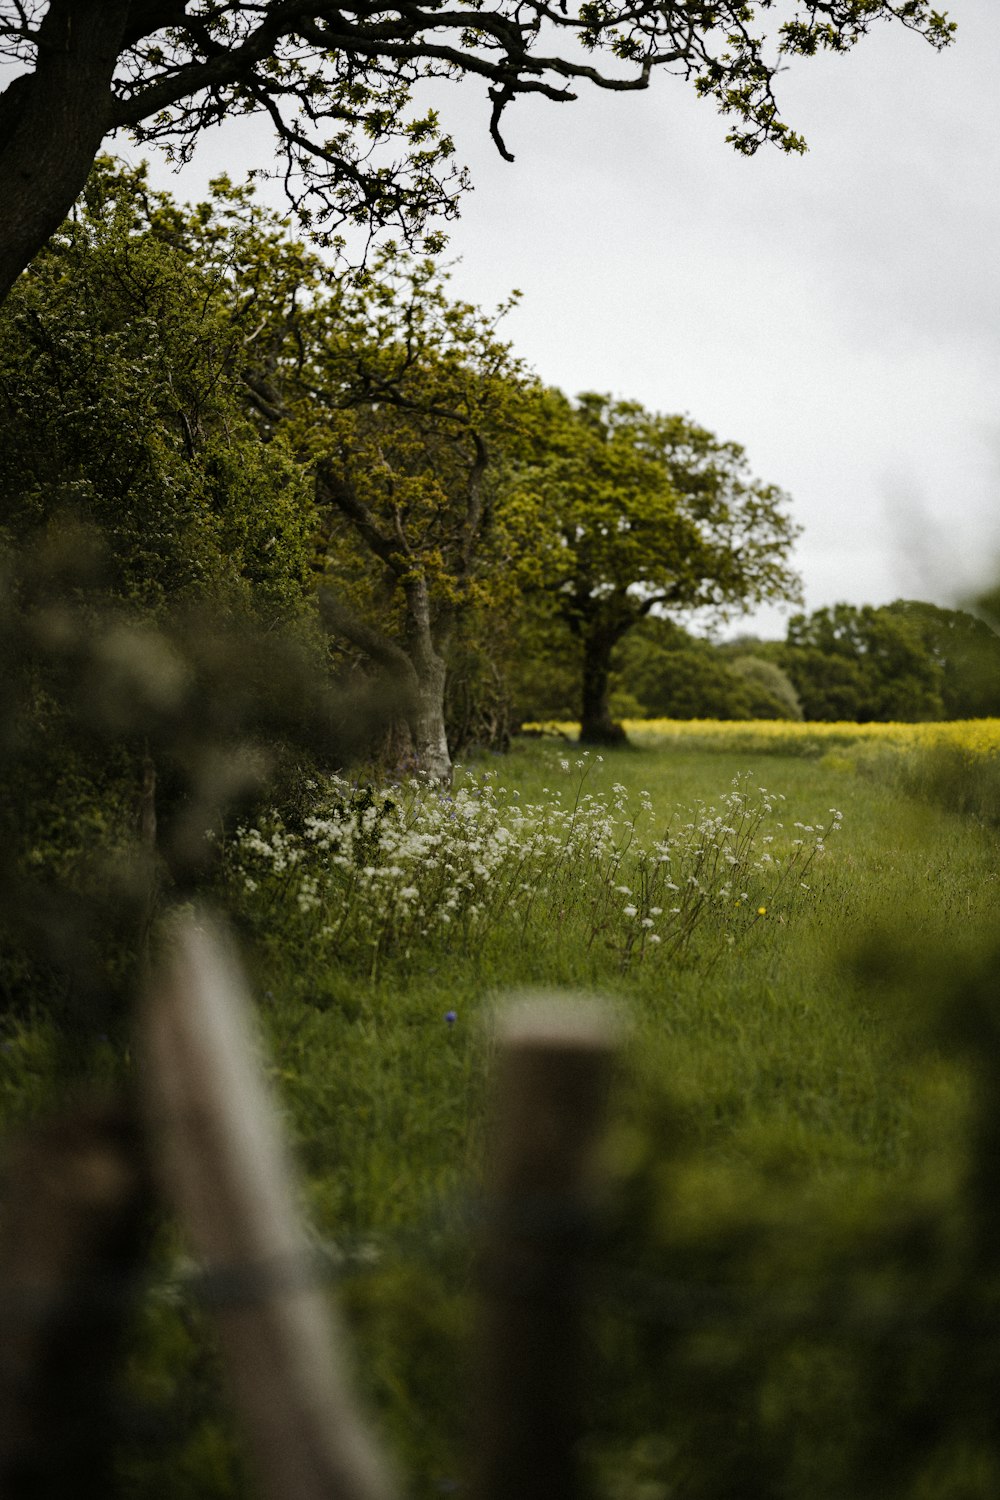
{"points": [[837, 313]]}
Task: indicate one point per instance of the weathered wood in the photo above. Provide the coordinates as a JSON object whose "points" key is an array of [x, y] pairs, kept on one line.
{"points": [[73, 1230], [216, 1135], [553, 1067]]}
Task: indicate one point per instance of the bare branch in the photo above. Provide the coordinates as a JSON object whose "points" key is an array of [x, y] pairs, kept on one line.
{"points": [[338, 82]]}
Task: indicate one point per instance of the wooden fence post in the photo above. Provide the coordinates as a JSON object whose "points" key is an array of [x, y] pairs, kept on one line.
{"points": [[216, 1136], [553, 1069], [73, 1238]]}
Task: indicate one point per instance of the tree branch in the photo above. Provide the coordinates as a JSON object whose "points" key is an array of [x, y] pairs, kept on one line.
{"points": [[166, 69], [341, 620], [54, 121], [334, 489]]}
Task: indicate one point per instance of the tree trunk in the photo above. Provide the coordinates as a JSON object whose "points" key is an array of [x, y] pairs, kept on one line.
{"points": [[52, 123], [416, 665], [596, 724], [430, 740]]}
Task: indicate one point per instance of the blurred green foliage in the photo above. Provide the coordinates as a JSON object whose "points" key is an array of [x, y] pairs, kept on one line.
{"points": [[157, 613], [768, 1334], [124, 739]]}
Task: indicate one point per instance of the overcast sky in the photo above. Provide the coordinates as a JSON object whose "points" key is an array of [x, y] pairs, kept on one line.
{"points": [[837, 313]]}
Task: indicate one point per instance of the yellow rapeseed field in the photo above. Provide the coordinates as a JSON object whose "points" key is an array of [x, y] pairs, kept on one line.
{"points": [[976, 737]]}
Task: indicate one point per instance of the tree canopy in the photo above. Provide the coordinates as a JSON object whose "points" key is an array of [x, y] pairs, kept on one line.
{"points": [[120, 407], [907, 661], [662, 671], [344, 85], [862, 664], [397, 402]]}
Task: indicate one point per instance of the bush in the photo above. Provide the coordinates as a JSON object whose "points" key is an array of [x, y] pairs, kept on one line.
{"points": [[948, 775], [769, 691]]}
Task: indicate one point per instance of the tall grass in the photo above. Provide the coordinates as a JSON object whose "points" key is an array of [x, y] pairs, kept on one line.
{"points": [[374, 1002]]}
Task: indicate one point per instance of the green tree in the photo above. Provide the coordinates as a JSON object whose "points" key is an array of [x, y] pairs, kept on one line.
{"points": [[339, 84], [156, 599], [672, 674], [967, 650], [769, 691], [862, 664], [400, 403], [120, 409], [407, 451], [645, 513]]}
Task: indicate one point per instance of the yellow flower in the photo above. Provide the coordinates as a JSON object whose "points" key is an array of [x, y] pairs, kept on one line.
{"points": [[762, 911]]}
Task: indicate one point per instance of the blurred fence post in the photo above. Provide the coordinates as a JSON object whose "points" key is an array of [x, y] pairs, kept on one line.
{"points": [[73, 1238], [216, 1137], [552, 1073]]}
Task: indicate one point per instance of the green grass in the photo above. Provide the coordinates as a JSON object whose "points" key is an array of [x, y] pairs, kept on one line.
{"points": [[776, 1096], [782, 1061], [385, 1095]]}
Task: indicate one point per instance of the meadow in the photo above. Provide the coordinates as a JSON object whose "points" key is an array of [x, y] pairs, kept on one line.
{"points": [[777, 917], [755, 1004]]}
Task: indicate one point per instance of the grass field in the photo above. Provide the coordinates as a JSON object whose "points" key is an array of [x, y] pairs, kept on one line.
{"points": [[765, 1053], [776, 1028], [774, 1061]]}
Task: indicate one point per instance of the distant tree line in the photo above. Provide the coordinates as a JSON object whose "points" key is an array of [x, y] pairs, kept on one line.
{"points": [[358, 458], [905, 662]]}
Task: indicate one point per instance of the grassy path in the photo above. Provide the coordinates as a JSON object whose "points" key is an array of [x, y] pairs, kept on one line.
{"points": [[783, 1069]]}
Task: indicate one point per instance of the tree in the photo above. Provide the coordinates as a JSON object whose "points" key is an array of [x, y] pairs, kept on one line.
{"points": [[406, 454], [398, 401], [770, 693], [862, 664], [674, 675], [669, 673], [646, 513], [120, 412], [158, 619], [968, 653], [339, 84]]}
